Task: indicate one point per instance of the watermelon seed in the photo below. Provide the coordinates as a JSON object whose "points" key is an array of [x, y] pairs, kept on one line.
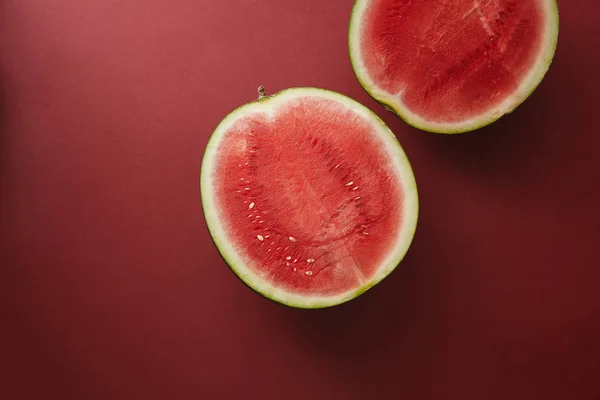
{"points": [[310, 260], [259, 237], [288, 258], [308, 273], [251, 206], [355, 187], [357, 197], [292, 239], [349, 183]]}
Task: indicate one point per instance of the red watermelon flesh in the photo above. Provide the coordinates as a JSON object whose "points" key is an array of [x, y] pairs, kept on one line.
{"points": [[309, 197], [449, 62]]}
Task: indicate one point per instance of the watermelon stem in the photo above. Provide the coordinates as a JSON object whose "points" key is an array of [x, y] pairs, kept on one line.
{"points": [[261, 92]]}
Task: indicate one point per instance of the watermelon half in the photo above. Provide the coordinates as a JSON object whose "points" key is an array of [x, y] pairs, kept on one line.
{"points": [[308, 197], [452, 66]]}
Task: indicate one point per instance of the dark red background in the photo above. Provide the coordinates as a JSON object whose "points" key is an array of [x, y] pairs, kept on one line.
{"points": [[110, 287]]}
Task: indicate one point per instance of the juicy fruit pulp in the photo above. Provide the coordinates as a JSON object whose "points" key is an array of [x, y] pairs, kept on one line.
{"points": [[452, 65], [308, 196]]}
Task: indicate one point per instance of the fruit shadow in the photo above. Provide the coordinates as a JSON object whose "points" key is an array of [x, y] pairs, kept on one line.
{"points": [[500, 153], [383, 326]]}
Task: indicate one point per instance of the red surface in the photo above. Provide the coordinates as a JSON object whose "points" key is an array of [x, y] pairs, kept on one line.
{"points": [[110, 287], [453, 60], [309, 196]]}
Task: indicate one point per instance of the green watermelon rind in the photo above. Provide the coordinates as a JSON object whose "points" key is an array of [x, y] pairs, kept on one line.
{"points": [[229, 254], [391, 103]]}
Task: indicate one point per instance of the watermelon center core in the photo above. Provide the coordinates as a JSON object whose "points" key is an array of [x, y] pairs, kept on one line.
{"points": [[451, 60], [308, 196]]}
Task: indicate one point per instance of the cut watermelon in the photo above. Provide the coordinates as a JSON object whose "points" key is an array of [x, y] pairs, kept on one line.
{"points": [[308, 196], [452, 66]]}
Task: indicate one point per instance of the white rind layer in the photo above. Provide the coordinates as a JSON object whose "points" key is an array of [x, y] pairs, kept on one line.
{"points": [[393, 101], [232, 255]]}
